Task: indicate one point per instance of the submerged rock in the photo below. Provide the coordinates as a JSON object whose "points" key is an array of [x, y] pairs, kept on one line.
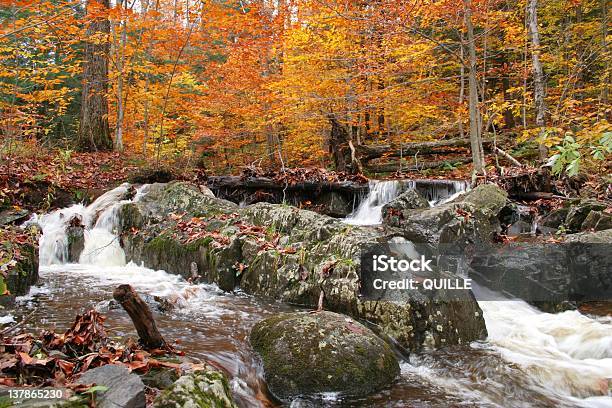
{"points": [[202, 389], [282, 252], [306, 353], [125, 390]]}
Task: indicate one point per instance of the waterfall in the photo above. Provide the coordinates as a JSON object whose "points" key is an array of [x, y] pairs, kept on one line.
{"points": [[369, 211], [99, 219], [436, 192]]}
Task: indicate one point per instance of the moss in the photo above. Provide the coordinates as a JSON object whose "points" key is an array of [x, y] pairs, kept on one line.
{"points": [[305, 353]]}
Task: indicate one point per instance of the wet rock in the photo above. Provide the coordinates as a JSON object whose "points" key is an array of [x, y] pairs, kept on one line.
{"points": [[125, 390], [151, 175], [333, 204], [12, 216], [597, 221], [578, 213], [306, 353], [311, 253], [555, 218], [20, 274], [160, 378], [469, 221], [409, 200], [202, 389], [75, 235]]}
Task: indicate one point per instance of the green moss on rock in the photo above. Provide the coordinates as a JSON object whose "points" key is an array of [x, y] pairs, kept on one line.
{"points": [[202, 389], [306, 353]]}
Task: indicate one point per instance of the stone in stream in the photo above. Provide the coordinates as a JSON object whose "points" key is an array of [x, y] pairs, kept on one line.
{"points": [[579, 212], [125, 390], [19, 274], [467, 221], [307, 353], [202, 389], [393, 212], [310, 253]]}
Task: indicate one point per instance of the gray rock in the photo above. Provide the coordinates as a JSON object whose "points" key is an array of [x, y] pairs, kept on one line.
{"points": [[318, 242], [579, 212], [469, 221], [76, 242], [306, 353], [125, 390], [555, 219], [12, 216], [597, 221], [408, 200], [333, 204], [202, 389]]}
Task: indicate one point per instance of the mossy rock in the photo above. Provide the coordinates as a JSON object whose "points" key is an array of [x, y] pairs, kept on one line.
{"points": [[305, 353], [488, 198], [202, 389]]}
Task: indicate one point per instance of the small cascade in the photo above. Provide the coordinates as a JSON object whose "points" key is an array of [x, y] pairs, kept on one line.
{"points": [[369, 211], [99, 219]]}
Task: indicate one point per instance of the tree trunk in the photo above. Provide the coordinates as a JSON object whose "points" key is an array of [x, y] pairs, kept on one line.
{"points": [[94, 133], [475, 120], [538, 73], [342, 149], [120, 57], [141, 316]]}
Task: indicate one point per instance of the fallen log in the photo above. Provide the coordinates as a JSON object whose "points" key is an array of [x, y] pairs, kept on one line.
{"points": [[256, 183], [393, 167], [141, 316], [536, 195], [370, 152]]}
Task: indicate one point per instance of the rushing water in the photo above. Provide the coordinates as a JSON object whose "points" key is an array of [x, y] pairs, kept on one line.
{"points": [[531, 359], [369, 211]]}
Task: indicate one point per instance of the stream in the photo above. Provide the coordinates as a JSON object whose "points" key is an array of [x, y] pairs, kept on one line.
{"points": [[530, 359]]}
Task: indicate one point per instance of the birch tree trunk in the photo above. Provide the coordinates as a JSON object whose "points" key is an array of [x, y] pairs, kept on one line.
{"points": [[538, 73], [120, 81], [475, 120], [94, 133]]}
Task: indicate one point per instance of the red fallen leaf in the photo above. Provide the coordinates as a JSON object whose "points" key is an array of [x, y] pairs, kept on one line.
{"points": [[352, 327], [25, 358], [66, 366], [289, 250], [10, 362], [137, 365], [9, 382], [328, 268]]}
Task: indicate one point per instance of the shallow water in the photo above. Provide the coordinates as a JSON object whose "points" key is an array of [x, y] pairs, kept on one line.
{"points": [[531, 359]]}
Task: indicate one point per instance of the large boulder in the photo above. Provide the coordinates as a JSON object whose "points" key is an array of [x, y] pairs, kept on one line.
{"points": [[469, 221], [282, 252], [597, 221], [408, 200], [202, 389], [550, 275], [306, 353], [124, 389]]}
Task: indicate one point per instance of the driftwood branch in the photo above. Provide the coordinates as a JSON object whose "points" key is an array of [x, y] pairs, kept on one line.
{"points": [[508, 157], [141, 316]]}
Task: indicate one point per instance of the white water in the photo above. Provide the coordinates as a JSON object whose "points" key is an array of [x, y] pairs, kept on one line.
{"points": [[565, 356], [369, 211]]}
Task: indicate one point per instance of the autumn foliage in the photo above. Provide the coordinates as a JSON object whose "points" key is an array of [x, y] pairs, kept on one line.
{"points": [[256, 82]]}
